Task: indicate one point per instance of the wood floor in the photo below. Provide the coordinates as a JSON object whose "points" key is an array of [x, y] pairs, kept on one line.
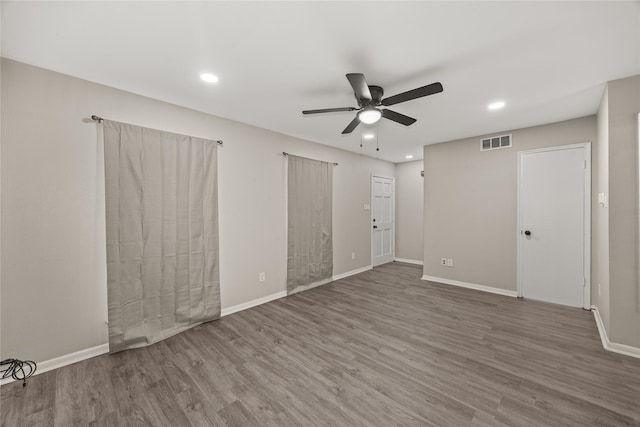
{"points": [[381, 348]]}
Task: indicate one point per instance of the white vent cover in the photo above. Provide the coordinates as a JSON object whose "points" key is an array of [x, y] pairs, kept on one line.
{"points": [[495, 142]]}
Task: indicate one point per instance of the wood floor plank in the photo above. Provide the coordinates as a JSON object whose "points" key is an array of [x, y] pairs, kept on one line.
{"points": [[100, 394], [11, 405], [70, 408], [381, 348], [40, 397], [236, 414], [41, 418]]}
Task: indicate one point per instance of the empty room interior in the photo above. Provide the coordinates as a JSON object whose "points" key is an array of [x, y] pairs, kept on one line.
{"points": [[320, 213]]}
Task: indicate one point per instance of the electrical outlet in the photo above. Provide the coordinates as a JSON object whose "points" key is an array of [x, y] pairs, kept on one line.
{"points": [[443, 261], [262, 277], [450, 262], [353, 255]]}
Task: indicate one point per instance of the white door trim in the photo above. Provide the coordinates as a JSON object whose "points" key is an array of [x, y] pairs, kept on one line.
{"points": [[393, 205], [586, 296]]}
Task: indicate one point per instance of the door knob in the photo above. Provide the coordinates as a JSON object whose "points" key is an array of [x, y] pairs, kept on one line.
{"points": [[375, 226], [527, 233]]}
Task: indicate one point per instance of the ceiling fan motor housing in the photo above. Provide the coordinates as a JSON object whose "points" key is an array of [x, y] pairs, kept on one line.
{"points": [[376, 97]]}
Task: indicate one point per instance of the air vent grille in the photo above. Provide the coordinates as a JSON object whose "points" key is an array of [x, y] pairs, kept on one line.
{"points": [[495, 142]]}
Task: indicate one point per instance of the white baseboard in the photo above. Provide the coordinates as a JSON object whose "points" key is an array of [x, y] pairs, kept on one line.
{"points": [[310, 286], [482, 288], [67, 359], [409, 261], [627, 350], [352, 272], [601, 330], [88, 353], [245, 305]]}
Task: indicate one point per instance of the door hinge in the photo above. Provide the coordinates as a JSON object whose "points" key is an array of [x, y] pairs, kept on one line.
{"points": [[585, 164], [584, 282]]}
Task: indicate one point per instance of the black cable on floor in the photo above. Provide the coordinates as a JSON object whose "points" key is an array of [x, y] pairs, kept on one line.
{"points": [[18, 369]]}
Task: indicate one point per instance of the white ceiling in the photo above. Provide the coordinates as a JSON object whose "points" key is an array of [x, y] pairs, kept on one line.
{"points": [[547, 60]]}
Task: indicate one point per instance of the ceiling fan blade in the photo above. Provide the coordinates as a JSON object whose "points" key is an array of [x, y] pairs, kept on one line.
{"points": [[354, 123], [397, 117], [360, 86], [329, 110], [413, 94]]}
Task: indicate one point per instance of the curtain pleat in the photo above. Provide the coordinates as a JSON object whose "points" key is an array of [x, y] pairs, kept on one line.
{"points": [[310, 244], [162, 233]]}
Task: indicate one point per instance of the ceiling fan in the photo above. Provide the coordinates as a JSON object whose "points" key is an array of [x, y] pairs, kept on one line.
{"points": [[370, 98]]}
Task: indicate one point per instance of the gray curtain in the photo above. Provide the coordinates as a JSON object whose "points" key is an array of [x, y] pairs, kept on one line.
{"points": [[310, 243], [162, 233]]}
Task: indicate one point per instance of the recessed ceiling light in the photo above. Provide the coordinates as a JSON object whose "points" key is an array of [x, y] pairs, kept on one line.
{"points": [[368, 136], [496, 105], [209, 78], [409, 156]]}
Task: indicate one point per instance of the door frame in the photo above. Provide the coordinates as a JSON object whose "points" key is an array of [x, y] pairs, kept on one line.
{"points": [[393, 206], [586, 292]]}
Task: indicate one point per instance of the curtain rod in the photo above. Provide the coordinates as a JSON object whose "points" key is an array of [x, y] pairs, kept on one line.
{"points": [[284, 153], [100, 120]]}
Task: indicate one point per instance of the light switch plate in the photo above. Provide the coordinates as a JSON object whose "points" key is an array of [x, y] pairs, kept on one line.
{"points": [[602, 199], [367, 207]]}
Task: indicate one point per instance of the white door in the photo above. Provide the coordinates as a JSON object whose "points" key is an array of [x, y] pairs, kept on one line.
{"points": [[554, 224], [382, 219]]}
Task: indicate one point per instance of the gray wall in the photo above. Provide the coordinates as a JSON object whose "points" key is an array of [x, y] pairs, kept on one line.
{"points": [[470, 202], [0, 189], [409, 216], [52, 233], [624, 283], [600, 216]]}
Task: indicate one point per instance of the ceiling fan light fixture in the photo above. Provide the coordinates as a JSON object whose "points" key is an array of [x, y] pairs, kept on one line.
{"points": [[369, 115]]}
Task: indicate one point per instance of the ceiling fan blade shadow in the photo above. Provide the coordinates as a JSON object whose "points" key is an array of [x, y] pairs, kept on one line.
{"points": [[427, 90], [329, 110], [351, 126], [360, 86], [398, 118]]}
